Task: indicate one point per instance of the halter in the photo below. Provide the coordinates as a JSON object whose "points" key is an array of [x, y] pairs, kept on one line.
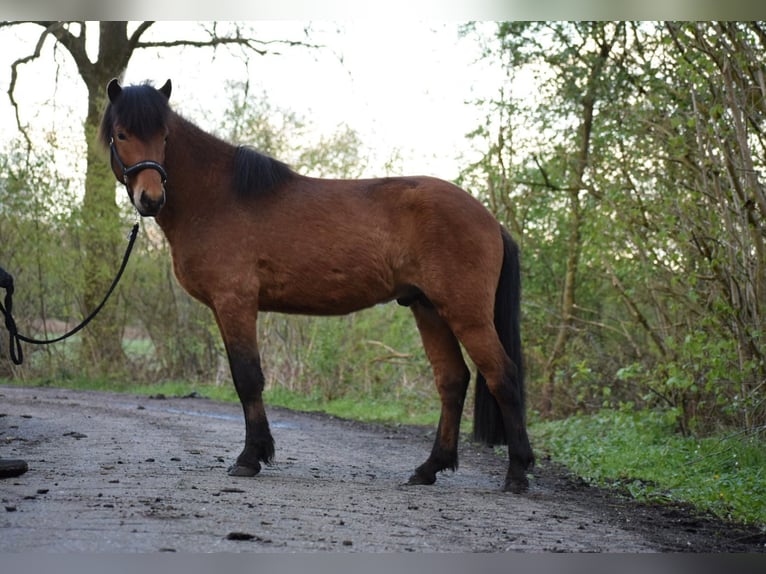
{"points": [[136, 167]]}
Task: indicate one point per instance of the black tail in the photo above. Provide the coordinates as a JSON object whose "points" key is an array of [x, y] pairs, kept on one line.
{"points": [[487, 420]]}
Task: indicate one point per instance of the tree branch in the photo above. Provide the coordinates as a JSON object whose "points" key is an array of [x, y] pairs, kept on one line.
{"points": [[75, 45], [49, 28], [237, 38], [250, 43], [546, 178], [136, 35]]}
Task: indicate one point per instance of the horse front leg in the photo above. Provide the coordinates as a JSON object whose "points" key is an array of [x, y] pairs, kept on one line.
{"points": [[249, 381], [238, 329]]}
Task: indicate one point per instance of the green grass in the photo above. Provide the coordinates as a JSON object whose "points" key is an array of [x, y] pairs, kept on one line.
{"points": [[167, 388], [641, 453], [413, 411]]}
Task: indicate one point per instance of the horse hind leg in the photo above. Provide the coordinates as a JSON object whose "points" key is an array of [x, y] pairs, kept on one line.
{"points": [[452, 377], [505, 385]]}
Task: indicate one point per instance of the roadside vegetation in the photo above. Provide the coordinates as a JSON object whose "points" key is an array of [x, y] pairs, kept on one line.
{"points": [[642, 454]]}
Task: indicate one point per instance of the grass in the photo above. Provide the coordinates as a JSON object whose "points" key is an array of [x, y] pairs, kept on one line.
{"points": [[413, 412], [640, 452], [637, 452]]}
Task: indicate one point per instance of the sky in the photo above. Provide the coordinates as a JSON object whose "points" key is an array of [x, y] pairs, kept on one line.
{"points": [[406, 87]]}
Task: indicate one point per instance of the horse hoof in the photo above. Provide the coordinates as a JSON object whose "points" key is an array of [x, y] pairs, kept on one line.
{"points": [[419, 479], [239, 470], [516, 485]]}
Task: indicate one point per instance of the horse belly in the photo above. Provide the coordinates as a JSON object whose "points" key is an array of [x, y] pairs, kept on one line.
{"points": [[334, 290]]}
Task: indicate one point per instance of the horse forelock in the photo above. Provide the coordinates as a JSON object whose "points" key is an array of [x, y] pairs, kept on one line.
{"points": [[141, 110]]}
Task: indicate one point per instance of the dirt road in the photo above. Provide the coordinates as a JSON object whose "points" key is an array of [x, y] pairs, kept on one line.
{"points": [[112, 472]]}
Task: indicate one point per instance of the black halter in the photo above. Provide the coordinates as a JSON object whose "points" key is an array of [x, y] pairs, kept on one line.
{"points": [[136, 167]]}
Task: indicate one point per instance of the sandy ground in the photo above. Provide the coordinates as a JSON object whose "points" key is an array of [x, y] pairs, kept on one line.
{"points": [[110, 472]]}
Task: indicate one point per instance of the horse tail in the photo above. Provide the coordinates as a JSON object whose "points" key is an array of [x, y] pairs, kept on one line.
{"points": [[488, 424]]}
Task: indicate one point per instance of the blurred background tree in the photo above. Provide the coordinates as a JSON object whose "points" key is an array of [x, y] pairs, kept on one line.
{"points": [[633, 175]]}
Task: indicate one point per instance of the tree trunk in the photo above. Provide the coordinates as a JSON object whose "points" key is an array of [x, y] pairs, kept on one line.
{"points": [[102, 242], [567, 305], [574, 246], [101, 350]]}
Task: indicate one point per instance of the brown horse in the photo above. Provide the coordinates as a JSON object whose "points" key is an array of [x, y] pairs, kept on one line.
{"points": [[248, 234]]}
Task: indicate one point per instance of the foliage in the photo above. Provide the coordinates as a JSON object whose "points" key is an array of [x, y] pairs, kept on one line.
{"points": [[640, 452], [374, 353], [40, 243], [630, 175]]}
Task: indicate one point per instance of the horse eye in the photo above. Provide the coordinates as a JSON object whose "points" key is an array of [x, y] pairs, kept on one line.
{"points": [[121, 136]]}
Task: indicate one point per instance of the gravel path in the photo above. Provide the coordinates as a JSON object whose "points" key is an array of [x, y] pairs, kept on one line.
{"points": [[111, 472]]}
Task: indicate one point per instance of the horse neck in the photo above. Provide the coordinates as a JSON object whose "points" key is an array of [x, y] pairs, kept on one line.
{"points": [[199, 168]]}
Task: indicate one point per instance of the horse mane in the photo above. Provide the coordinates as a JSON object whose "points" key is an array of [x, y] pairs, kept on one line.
{"points": [[141, 109], [255, 172]]}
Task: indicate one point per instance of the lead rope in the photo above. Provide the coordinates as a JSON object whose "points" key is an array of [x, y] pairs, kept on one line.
{"points": [[16, 338]]}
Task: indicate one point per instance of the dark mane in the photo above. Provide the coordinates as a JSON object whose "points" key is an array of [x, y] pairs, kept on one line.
{"points": [[141, 109], [255, 172]]}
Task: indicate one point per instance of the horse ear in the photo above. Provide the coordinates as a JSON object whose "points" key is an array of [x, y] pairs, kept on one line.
{"points": [[165, 90], [114, 90]]}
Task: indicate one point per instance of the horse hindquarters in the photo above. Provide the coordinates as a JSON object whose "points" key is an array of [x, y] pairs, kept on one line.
{"points": [[481, 310]]}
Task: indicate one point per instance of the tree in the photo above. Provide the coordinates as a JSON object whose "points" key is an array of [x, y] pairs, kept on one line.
{"points": [[576, 57], [117, 42], [633, 174], [590, 64], [286, 135]]}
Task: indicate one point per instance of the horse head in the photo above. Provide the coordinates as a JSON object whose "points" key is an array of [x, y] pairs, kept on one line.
{"points": [[135, 129]]}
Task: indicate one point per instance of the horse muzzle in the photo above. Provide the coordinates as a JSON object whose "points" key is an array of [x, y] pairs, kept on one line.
{"points": [[146, 205]]}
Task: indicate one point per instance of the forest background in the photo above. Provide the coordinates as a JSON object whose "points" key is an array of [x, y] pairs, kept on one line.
{"points": [[631, 174]]}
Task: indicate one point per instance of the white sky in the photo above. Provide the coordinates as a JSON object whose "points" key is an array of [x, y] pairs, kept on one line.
{"points": [[402, 85]]}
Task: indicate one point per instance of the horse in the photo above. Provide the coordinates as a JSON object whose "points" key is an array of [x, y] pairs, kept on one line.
{"points": [[248, 234]]}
